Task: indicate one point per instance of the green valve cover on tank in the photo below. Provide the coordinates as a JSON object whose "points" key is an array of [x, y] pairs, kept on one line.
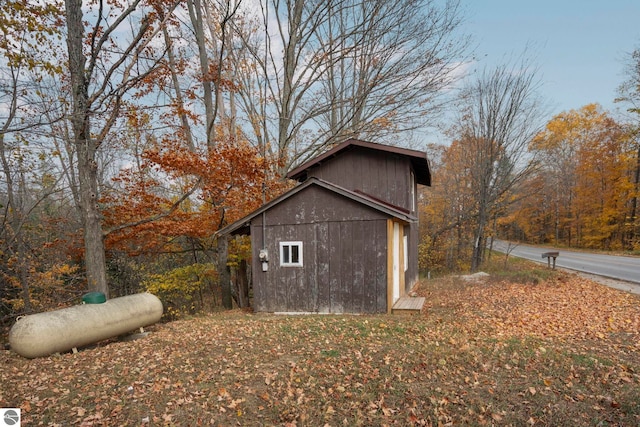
{"points": [[94, 298]]}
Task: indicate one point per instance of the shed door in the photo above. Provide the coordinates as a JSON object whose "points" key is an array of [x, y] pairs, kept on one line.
{"points": [[397, 251], [396, 254]]}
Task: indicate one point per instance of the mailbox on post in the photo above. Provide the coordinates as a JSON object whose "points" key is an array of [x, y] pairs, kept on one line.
{"points": [[549, 256]]}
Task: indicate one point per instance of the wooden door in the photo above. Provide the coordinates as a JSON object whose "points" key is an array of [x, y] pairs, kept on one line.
{"points": [[395, 262]]}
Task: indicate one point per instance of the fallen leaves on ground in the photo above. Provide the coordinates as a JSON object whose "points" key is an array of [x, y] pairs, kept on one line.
{"points": [[563, 352], [568, 306]]}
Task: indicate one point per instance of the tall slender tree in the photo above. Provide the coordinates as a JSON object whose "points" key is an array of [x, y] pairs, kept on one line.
{"points": [[499, 116], [102, 72]]}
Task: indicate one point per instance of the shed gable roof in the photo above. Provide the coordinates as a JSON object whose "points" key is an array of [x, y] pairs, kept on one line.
{"points": [[418, 159], [240, 226]]}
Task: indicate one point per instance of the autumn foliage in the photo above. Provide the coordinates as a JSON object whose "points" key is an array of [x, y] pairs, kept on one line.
{"points": [[208, 190], [585, 184], [581, 192], [186, 290]]}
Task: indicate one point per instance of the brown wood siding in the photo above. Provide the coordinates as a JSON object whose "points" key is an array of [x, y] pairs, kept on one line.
{"points": [[336, 303], [316, 204], [411, 275], [381, 175], [344, 260], [389, 293]]}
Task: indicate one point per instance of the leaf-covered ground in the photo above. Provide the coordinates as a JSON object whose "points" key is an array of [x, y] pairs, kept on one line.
{"points": [[562, 352]]}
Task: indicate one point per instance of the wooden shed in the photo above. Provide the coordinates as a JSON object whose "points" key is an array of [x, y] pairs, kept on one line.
{"points": [[345, 239]]}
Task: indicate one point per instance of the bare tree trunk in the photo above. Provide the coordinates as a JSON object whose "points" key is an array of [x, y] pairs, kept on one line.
{"points": [[112, 70], [195, 13], [290, 63], [479, 243], [223, 272], [200, 14], [178, 91], [86, 151], [498, 120], [242, 284], [492, 237]]}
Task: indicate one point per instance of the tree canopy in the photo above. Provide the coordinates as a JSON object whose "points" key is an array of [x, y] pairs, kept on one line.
{"points": [[135, 130], [130, 132]]}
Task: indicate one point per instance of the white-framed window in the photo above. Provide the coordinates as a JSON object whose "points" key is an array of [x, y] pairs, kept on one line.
{"points": [[291, 254]]}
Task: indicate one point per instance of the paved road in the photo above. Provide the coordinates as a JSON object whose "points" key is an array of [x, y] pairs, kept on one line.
{"points": [[611, 266]]}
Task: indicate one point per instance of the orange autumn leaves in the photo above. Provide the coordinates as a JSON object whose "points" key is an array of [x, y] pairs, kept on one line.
{"points": [[205, 191], [567, 307], [581, 191]]}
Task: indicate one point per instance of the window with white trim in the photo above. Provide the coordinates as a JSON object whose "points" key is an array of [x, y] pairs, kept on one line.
{"points": [[291, 254]]}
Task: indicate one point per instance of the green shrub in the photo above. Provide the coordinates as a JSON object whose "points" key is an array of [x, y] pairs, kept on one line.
{"points": [[185, 290]]}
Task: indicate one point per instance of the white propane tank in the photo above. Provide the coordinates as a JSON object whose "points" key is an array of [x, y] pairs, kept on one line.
{"points": [[61, 330]]}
